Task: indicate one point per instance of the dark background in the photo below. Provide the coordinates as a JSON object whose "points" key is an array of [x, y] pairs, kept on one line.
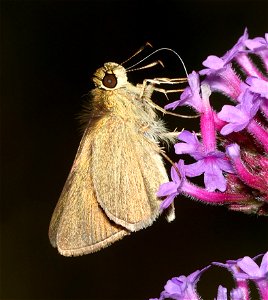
{"points": [[49, 50]]}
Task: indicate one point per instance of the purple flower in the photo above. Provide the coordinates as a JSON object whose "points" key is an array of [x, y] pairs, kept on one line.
{"points": [[231, 265], [213, 64], [243, 267], [250, 96], [219, 73], [233, 150], [238, 117], [210, 163], [258, 86], [222, 293], [250, 270], [182, 287], [246, 269], [191, 95], [259, 46], [237, 48], [216, 64], [258, 43], [172, 189], [191, 144], [237, 294]]}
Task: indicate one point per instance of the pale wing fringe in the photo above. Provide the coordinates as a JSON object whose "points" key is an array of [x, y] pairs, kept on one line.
{"points": [[79, 225]]}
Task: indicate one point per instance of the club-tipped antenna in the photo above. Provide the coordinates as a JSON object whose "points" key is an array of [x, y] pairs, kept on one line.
{"points": [[147, 44], [157, 50]]}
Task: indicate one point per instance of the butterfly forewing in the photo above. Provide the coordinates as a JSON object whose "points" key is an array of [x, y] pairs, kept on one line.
{"points": [[78, 224], [130, 164]]}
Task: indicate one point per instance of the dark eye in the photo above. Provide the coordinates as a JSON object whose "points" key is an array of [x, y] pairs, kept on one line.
{"points": [[109, 80]]}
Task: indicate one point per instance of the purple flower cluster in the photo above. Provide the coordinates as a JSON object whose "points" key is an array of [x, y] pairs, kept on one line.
{"points": [[231, 153], [243, 270]]}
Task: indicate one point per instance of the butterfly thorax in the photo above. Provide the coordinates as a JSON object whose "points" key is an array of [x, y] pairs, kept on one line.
{"points": [[115, 95]]}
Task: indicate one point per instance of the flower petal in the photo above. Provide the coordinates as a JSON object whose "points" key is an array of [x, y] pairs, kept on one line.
{"points": [[231, 114], [166, 203], [264, 264], [258, 86], [249, 266], [172, 105], [190, 145], [213, 62], [237, 294], [166, 189], [222, 293], [195, 169], [213, 178], [225, 165], [174, 286]]}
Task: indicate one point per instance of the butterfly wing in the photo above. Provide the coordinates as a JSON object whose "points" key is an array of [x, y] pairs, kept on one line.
{"points": [[132, 171], [79, 225]]}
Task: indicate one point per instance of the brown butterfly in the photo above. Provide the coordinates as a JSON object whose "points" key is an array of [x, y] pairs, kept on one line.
{"points": [[111, 188]]}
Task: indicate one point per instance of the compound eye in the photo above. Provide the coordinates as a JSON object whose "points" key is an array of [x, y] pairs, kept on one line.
{"points": [[109, 81]]}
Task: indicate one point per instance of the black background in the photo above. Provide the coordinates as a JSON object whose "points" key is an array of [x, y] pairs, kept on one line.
{"points": [[49, 51]]}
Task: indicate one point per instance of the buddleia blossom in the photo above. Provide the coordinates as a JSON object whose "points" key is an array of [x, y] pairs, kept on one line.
{"points": [[243, 270], [230, 151]]}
